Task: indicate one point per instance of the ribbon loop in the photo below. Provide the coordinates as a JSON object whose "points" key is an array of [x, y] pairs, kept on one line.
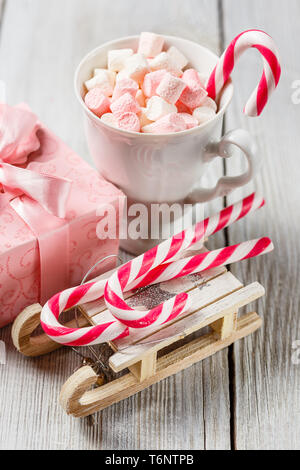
{"points": [[50, 192]]}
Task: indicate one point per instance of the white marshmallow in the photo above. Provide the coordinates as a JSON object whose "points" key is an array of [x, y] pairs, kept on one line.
{"points": [[209, 103], [203, 114], [143, 118], [103, 79], [123, 74], [136, 67], [109, 119], [108, 73], [117, 57], [177, 57], [164, 61], [150, 44], [158, 107]]}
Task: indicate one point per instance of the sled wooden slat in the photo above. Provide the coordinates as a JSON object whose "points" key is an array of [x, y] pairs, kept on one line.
{"points": [[228, 305]]}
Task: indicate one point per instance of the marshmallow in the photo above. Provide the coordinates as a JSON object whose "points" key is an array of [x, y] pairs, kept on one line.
{"points": [[209, 103], [117, 57], [151, 82], [143, 118], [157, 107], [148, 91], [170, 88], [194, 94], [171, 123], [121, 75], [189, 120], [125, 104], [103, 79], [164, 61], [182, 108], [203, 114], [150, 44], [109, 119], [136, 67], [140, 98], [191, 75], [108, 73], [126, 85], [177, 57], [129, 122], [97, 102]]}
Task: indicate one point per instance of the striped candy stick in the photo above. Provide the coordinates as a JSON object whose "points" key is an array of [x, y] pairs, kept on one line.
{"points": [[271, 68], [228, 216], [111, 329], [179, 304], [169, 249]]}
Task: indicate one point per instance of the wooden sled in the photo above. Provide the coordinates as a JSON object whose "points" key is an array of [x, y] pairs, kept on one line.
{"points": [[152, 354]]}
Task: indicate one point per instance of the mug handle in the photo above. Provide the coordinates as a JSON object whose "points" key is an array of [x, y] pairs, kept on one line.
{"points": [[245, 142]]}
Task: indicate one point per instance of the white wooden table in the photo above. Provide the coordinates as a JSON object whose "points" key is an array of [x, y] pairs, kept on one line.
{"points": [[247, 397]]}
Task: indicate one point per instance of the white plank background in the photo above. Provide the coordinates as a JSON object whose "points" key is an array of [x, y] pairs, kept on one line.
{"points": [[244, 398]]}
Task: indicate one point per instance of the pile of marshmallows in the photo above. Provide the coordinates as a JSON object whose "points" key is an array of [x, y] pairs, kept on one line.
{"points": [[148, 91]]}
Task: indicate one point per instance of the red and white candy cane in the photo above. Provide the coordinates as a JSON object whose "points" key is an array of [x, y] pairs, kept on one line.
{"points": [[271, 68], [151, 267], [179, 304]]}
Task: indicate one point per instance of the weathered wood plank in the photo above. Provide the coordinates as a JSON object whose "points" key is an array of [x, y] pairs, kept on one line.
{"points": [[41, 44], [267, 383]]}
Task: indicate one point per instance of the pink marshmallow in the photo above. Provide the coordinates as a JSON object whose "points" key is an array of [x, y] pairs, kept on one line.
{"points": [[151, 82], [129, 122], [182, 108], [125, 104], [189, 120], [168, 124], [97, 102], [190, 76], [126, 85], [194, 94], [150, 44], [170, 88]]}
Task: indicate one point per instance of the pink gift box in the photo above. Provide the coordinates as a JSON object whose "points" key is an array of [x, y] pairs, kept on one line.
{"points": [[33, 268]]}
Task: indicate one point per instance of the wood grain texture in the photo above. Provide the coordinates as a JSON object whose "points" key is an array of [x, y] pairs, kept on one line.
{"points": [[266, 383], [41, 43]]}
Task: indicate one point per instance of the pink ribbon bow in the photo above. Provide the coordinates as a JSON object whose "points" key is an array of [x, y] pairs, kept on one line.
{"points": [[18, 139], [31, 193]]}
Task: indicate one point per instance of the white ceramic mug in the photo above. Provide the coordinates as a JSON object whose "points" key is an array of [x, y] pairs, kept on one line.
{"points": [[163, 168]]}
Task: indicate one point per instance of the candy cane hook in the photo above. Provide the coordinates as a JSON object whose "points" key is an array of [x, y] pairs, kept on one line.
{"points": [[271, 69]]}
